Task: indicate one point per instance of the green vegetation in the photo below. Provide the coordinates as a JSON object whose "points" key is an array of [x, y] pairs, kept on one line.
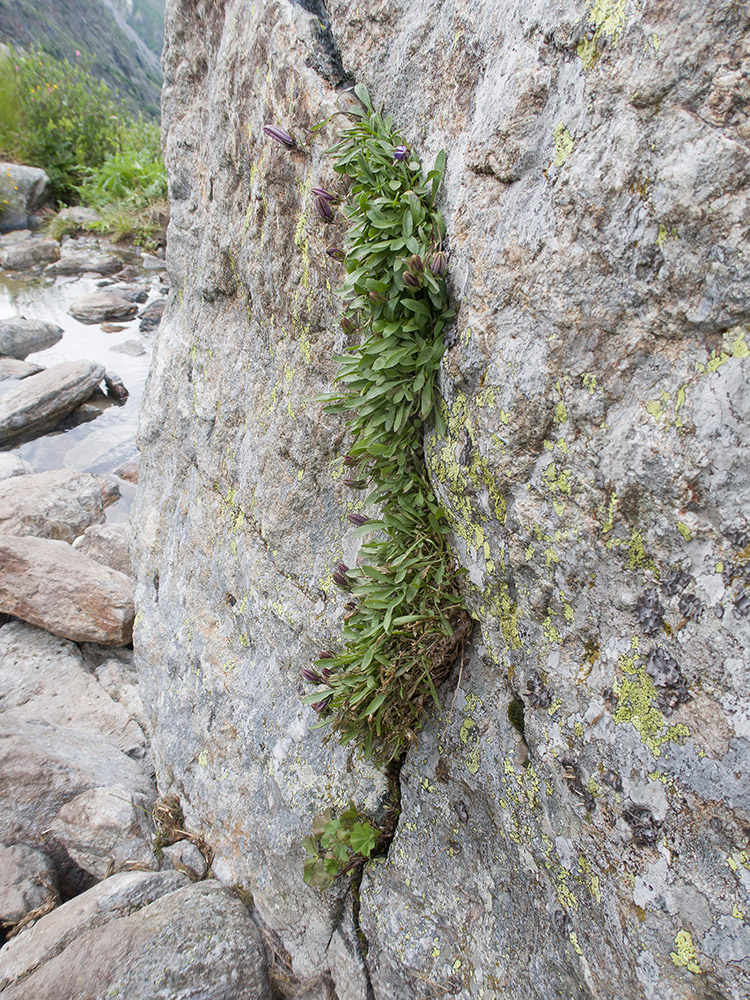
{"points": [[337, 846], [407, 617], [57, 116]]}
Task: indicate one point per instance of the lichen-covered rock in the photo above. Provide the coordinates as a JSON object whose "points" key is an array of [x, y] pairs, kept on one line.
{"points": [[594, 468]]}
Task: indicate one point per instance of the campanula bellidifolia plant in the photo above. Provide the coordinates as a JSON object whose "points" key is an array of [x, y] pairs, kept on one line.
{"points": [[406, 616]]}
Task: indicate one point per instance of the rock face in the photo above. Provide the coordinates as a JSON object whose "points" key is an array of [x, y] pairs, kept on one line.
{"points": [[58, 504], [42, 400], [20, 337], [140, 936], [48, 583], [594, 468]]}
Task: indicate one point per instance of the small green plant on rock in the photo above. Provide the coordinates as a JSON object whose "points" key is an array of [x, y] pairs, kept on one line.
{"points": [[337, 846]]}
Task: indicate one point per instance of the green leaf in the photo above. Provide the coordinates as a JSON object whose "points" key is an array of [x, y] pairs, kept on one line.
{"points": [[363, 839]]}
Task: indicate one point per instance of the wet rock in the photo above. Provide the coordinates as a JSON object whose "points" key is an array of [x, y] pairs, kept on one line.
{"points": [[23, 191], [108, 544], [128, 471], [42, 400], [115, 386], [28, 883], [10, 368], [26, 254], [48, 583], [185, 857], [44, 678], [20, 337], [58, 504], [140, 935], [133, 348], [112, 328], [151, 316], [84, 261], [107, 829], [132, 293], [100, 306], [13, 465]]}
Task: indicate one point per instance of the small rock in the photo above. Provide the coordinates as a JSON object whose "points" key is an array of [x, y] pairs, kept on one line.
{"points": [[152, 263], [11, 368], [49, 584], [128, 471], [107, 544], [151, 316], [20, 337], [13, 465], [132, 293], [58, 504], [133, 348], [120, 680], [83, 261], [185, 857], [27, 254], [112, 328], [28, 883], [115, 386], [107, 829], [41, 401], [100, 306]]}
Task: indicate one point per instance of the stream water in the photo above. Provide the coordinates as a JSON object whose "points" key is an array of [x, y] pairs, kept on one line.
{"points": [[102, 444]]}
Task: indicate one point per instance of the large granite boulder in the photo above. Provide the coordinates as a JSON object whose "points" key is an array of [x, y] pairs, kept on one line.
{"points": [[61, 503], [575, 823], [48, 583], [20, 337], [23, 191], [42, 400], [142, 936], [27, 254], [28, 884]]}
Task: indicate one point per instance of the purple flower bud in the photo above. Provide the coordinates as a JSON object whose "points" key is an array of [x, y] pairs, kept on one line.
{"points": [[323, 208], [416, 264], [341, 581], [439, 263], [349, 328], [411, 280], [400, 153], [326, 674], [311, 676], [321, 706], [326, 655], [350, 459], [342, 568], [325, 195], [279, 135], [336, 252], [354, 484], [377, 297], [358, 519]]}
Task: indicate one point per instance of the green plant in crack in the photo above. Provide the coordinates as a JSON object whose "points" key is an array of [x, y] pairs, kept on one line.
{"points": [[406, 617], [338, 846]]}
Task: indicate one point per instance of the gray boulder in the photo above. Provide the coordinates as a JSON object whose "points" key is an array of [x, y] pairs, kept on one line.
{"points": [[44, 678], [84, 260], [108, 544], [140, 936], [133, 348], [48, 583], [13, 465], [42, 400], [101, 306], [185, 857], [151, 316], [28, 883], [23, 191], [10, 368], [20, 337], [60, 504], [26, 254]]}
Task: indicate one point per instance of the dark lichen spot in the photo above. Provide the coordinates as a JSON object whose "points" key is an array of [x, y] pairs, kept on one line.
{"points": [[742, 606], [230, 599], [461, 811], [537, 693], [690, 607], [515, 715], [644, 826], [669, 680], [649, 611], [613, 779], [674, 582], [738, 537]]}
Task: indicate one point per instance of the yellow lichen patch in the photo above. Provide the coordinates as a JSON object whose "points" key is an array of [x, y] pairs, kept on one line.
{"points": [[685, 956], [661, 238], [684, 530], [563, 144], [574, 941], [609, 519], [608, 18], [637, 556], [635, 694], [739, 346]]}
